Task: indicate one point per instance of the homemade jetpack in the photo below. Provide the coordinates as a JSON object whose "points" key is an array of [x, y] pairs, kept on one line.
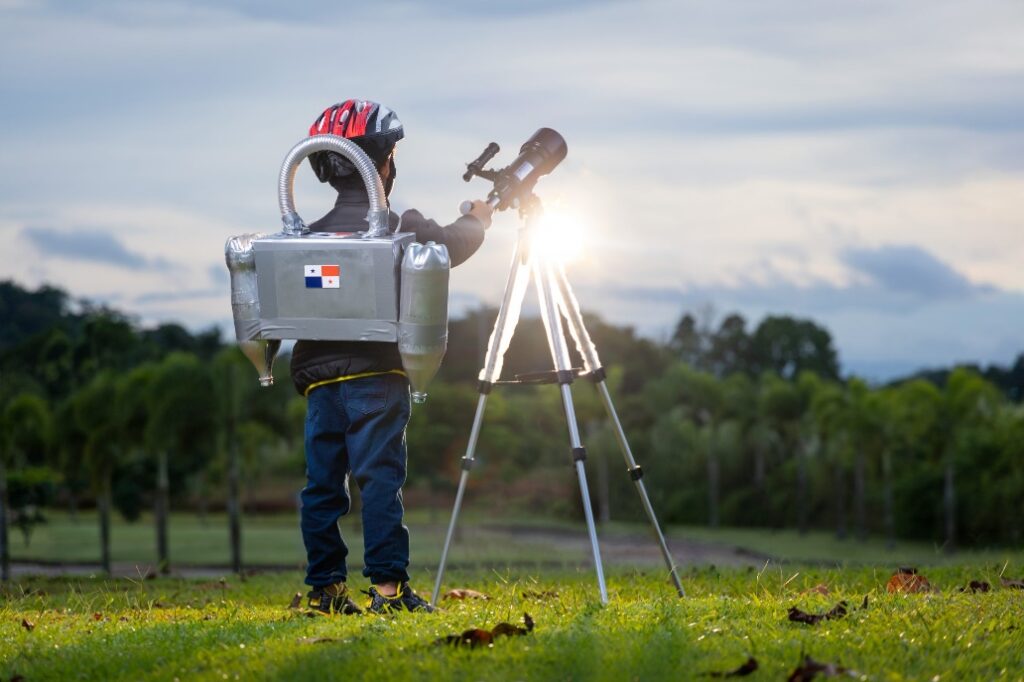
{"points": [[369, 285], [513, 188]]}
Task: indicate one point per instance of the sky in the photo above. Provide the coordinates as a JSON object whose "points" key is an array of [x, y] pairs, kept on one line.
{"points": [[857, 163]]}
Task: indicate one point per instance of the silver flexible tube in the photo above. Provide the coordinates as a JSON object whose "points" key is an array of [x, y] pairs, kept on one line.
{"points": [[377, 218]]}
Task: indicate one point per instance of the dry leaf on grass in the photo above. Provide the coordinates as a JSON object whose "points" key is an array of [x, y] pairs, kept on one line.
{"points": [[908, 580], [464, 593], [296, 601], [811, 668], [27, 624], [316, 640], [742, 671], [477, 637], [798, 616], [976, 586]]}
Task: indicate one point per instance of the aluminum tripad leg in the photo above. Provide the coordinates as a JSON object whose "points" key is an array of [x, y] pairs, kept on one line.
{"points": [[504, 327], [467, 463], [560, 356], [636, 473], [570, 308]]}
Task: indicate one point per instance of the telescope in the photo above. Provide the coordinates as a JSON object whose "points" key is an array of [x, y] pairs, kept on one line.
{"points": [[559, 309], [538, 156]]}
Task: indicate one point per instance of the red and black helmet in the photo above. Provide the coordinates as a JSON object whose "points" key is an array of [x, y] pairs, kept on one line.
{"points": [[372, 126]]}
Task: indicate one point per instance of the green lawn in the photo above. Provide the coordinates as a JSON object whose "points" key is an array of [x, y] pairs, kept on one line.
{"points": [[823, 548], [167, 629], [266, 540], [482, 540]]}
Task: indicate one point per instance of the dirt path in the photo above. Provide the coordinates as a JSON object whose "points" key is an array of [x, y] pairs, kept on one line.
{"points": [[637, 549]]}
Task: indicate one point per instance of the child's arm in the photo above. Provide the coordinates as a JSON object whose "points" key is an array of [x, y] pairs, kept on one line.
{"points": [[463, 237]]}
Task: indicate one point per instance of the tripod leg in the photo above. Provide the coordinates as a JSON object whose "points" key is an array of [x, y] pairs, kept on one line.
{"points": [[571, 309], [504, 327], [560, 356]]}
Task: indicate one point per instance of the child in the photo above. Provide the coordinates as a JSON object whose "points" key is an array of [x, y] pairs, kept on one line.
{"points": [[358, 395]]}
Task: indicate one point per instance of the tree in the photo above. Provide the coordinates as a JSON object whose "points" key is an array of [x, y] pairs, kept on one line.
{"points": [[69, 443], [783, 404], [181, 404], [25, 314], [91, 408], [229, 368], [789, 346], [26, 430], [970, 402], [866, 426], [697, 397], [108, 341], [830, 410], [687, 343], [730, 347]]}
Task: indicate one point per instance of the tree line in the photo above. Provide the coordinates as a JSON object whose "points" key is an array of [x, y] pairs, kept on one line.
{"points": [[734, 427]]}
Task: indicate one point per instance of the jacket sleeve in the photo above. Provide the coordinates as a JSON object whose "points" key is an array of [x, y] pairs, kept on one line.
{"points": [[463, 237]]}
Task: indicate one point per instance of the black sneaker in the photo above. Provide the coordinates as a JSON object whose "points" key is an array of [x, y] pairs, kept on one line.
{"points": [[404, 600], [332, 599]]}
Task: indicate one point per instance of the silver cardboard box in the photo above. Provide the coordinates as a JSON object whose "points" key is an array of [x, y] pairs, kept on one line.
{"points": [[323, 286]]}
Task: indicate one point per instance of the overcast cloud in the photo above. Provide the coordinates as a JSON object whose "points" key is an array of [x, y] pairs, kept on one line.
{"points": [[860, 163]]}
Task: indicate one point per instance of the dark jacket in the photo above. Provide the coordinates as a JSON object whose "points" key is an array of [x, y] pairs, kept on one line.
{"points": [[314, 361]]}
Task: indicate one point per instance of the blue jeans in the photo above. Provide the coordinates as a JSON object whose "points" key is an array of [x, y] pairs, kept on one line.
{"points": [[356, 427]]}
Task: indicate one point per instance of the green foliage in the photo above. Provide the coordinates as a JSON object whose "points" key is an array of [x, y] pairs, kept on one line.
{"points": [[29, 490], [733, 426]]}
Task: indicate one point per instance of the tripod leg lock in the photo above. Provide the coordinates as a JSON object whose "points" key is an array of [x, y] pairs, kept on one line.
{"points": [[636, 473], [467, 463], [565, 376], [484, 387], [579, 454], [598, 375]]}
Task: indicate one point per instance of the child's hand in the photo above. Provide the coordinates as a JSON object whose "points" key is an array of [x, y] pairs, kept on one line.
{"points": [[482, 211]]}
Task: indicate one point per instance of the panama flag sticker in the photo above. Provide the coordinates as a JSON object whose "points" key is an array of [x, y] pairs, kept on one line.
{"points": [[323, 276]]}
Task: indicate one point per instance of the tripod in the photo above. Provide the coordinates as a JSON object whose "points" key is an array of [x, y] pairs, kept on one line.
{"points": [[556, 300]]}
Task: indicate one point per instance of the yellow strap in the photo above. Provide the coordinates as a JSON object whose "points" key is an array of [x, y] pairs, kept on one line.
{"points": [[349, 377]]}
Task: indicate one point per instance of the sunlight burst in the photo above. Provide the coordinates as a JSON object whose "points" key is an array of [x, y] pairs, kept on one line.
{"points": [[560, 236]]}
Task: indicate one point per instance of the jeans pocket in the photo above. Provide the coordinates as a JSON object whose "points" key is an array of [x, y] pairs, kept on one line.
{"points": [[369, 395]]}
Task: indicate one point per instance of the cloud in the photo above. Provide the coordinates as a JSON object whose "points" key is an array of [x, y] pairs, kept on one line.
{"points": [[179, 296], [904, 309], [789, 138], [908, 269], [219, 276], [887, 279], [91, 245]]}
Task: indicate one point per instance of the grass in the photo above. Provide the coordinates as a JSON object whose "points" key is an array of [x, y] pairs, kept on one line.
{"points": [[165, 629], [482, 540], [823, 547], [266, 540]]}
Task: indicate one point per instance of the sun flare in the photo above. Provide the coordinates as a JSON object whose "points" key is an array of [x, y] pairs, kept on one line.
{"points": [[559, 235]]}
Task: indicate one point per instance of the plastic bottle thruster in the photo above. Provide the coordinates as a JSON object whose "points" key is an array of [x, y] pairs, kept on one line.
{"points": [[423, 313]]}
